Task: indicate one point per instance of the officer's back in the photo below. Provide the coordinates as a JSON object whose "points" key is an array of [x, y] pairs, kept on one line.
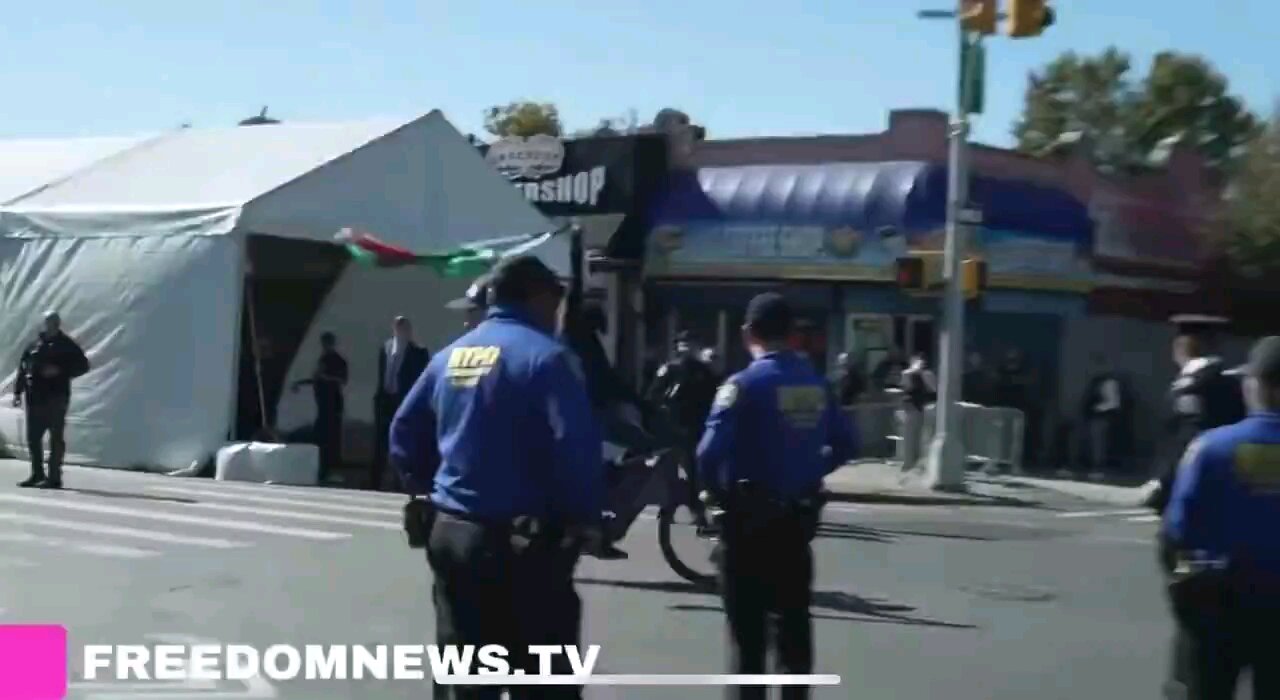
{"points": [[512, 425], [1219, 537], [776, 424]]}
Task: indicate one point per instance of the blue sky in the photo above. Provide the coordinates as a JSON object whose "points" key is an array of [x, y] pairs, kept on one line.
{"points": [[747, 67]]}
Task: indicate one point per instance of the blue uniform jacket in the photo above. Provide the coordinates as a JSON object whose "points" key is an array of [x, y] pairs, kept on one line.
{"points": [[1226, 496], [503, 413], [772, 423]]}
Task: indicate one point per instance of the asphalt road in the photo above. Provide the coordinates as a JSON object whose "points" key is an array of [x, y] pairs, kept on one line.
{"points": [[962, 602]]}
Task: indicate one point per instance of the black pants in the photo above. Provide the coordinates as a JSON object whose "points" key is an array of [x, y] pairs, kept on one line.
{"points": [[488, 592], [384, 410], [328, 435], [1211, 650], [47, 415], [766, 580]]}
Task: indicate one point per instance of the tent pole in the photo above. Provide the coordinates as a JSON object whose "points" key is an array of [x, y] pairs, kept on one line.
{"points": [[257, 358]]}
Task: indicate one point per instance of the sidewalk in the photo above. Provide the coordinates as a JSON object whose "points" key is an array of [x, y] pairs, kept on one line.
{"points": [[881, 482]]}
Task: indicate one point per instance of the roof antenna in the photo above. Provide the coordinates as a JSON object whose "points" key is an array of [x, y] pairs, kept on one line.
{"points": [[259, 120]]}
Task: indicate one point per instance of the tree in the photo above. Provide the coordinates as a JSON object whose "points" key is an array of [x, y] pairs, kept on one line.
{"points": [[1182, 98], [523, 118], [1251, 211]]}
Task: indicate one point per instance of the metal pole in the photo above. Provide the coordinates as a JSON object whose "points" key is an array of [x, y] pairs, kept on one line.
{"points": [[946, 461]]}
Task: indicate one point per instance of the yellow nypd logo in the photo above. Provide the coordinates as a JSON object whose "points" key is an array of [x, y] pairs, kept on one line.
{"points": [[467, 364], [802, 406], [1258, 465]]}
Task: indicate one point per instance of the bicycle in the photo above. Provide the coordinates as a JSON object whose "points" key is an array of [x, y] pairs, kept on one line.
{"points": [[661, 477]]}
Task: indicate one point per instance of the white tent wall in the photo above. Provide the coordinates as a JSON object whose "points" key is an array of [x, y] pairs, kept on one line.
{"points": [[359, 311], [422, 187], [157, 317]]}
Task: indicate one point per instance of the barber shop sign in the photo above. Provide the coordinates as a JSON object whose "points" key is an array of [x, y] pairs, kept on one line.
{"points": [[534, 165]]}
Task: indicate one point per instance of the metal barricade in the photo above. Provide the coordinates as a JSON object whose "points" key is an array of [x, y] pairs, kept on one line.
{"points": [[876, 428], [991, 435]]}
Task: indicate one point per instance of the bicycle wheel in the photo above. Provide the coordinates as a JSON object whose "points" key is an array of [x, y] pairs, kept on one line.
{"points": [[703, 576]]}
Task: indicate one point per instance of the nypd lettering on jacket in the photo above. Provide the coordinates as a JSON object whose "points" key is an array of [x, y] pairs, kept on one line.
{"points": [[583, 189]]}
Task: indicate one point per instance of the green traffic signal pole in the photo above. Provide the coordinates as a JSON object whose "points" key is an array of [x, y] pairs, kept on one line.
{"points": [[945, 461]]}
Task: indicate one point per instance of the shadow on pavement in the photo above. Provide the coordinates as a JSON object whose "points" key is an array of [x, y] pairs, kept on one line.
{"points": [[853, 532], [835, 601], [857, 610], [136, 496]]}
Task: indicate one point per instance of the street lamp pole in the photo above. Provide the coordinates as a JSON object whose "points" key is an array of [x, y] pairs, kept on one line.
{"points": [[945, 462]]}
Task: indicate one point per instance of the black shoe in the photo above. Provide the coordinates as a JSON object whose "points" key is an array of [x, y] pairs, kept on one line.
{"points": [[51, 484], [611, 553], [31, 482]]}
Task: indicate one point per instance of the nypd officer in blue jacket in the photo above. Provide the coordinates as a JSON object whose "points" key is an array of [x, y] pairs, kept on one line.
{"points": [[499, 432], [1221, 545], [774, 432]]}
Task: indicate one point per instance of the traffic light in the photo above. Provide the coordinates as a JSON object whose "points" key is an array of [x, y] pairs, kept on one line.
{"points": [[908, 272], [973, 277], [978, 16], [1028, 18]]}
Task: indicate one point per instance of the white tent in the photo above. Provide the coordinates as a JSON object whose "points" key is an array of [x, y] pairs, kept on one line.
{"points": [[145, 254]]}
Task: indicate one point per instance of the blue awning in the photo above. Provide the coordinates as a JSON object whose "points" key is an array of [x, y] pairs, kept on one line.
{"points": [[908, 195]]}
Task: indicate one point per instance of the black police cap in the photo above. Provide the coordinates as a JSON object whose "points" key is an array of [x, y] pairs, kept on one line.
{"points": [[769, 316], [476, 297], [1198, 325], [520, 278], [1264, 360]]}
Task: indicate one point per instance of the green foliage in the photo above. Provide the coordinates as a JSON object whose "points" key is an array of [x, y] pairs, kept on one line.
{"points": [[1251, 212], [1182, 98], [523, 118]]}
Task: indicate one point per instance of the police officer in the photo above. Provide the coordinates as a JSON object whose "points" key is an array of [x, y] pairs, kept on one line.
{"points": [[473, 304], [1203, 395], [776, 427], [1222, 549], [44, 379], [498, 431]]}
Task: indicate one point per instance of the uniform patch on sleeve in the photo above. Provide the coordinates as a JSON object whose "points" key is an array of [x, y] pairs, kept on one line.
{"points": [[1258, 465], [726, 396]]}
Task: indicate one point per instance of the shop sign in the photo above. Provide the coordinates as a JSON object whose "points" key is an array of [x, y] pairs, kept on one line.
{"points": [[535, 166]]}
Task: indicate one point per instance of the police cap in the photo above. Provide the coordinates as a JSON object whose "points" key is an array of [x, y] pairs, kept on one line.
{"points": [[1264, 361], [1198, 325], [476, 297], [521, 278], [769, 316]]}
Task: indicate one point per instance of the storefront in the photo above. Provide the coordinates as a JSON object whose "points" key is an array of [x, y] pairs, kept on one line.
{"points": [[605, 184], [828, 234]]}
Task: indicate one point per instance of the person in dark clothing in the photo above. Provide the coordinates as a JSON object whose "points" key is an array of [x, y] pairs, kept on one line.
{"points": [[44, 379], [327, 382], [1203, 396], [686, 388], [474, 304], [1015, 387], [852, 384], [1102, 410], [888, 372], [400, 362]]}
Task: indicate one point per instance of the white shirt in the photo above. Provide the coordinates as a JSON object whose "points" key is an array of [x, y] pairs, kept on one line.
{"points": [[1110, 396], [395, 356]]}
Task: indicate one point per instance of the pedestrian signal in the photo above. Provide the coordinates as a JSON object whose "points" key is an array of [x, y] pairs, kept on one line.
{"points": [[973, 277], [909, 273], [1028, 18]]}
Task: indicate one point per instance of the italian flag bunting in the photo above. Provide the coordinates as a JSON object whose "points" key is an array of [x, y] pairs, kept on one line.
{"points": [[465, 261]]}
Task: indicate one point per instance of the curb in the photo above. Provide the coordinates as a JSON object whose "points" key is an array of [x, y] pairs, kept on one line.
{"points": [[1096, 493], [890, 498]]}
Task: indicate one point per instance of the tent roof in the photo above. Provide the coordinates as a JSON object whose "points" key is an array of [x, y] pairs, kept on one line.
{"points": [[204, 168], [26, 165]]}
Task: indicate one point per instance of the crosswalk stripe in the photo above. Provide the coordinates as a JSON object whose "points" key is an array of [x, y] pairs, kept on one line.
{"points": [[319, 517], [1104, 513], [108, 550], [391, 509], [104, 529], [246, 525], [317, 492]]}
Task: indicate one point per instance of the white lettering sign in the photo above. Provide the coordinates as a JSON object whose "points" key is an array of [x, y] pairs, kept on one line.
{"points": [[583, 189], [528, 159]]}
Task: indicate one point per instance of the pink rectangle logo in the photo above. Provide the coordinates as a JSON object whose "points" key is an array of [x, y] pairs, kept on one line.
{"points": [[33, 662]]}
